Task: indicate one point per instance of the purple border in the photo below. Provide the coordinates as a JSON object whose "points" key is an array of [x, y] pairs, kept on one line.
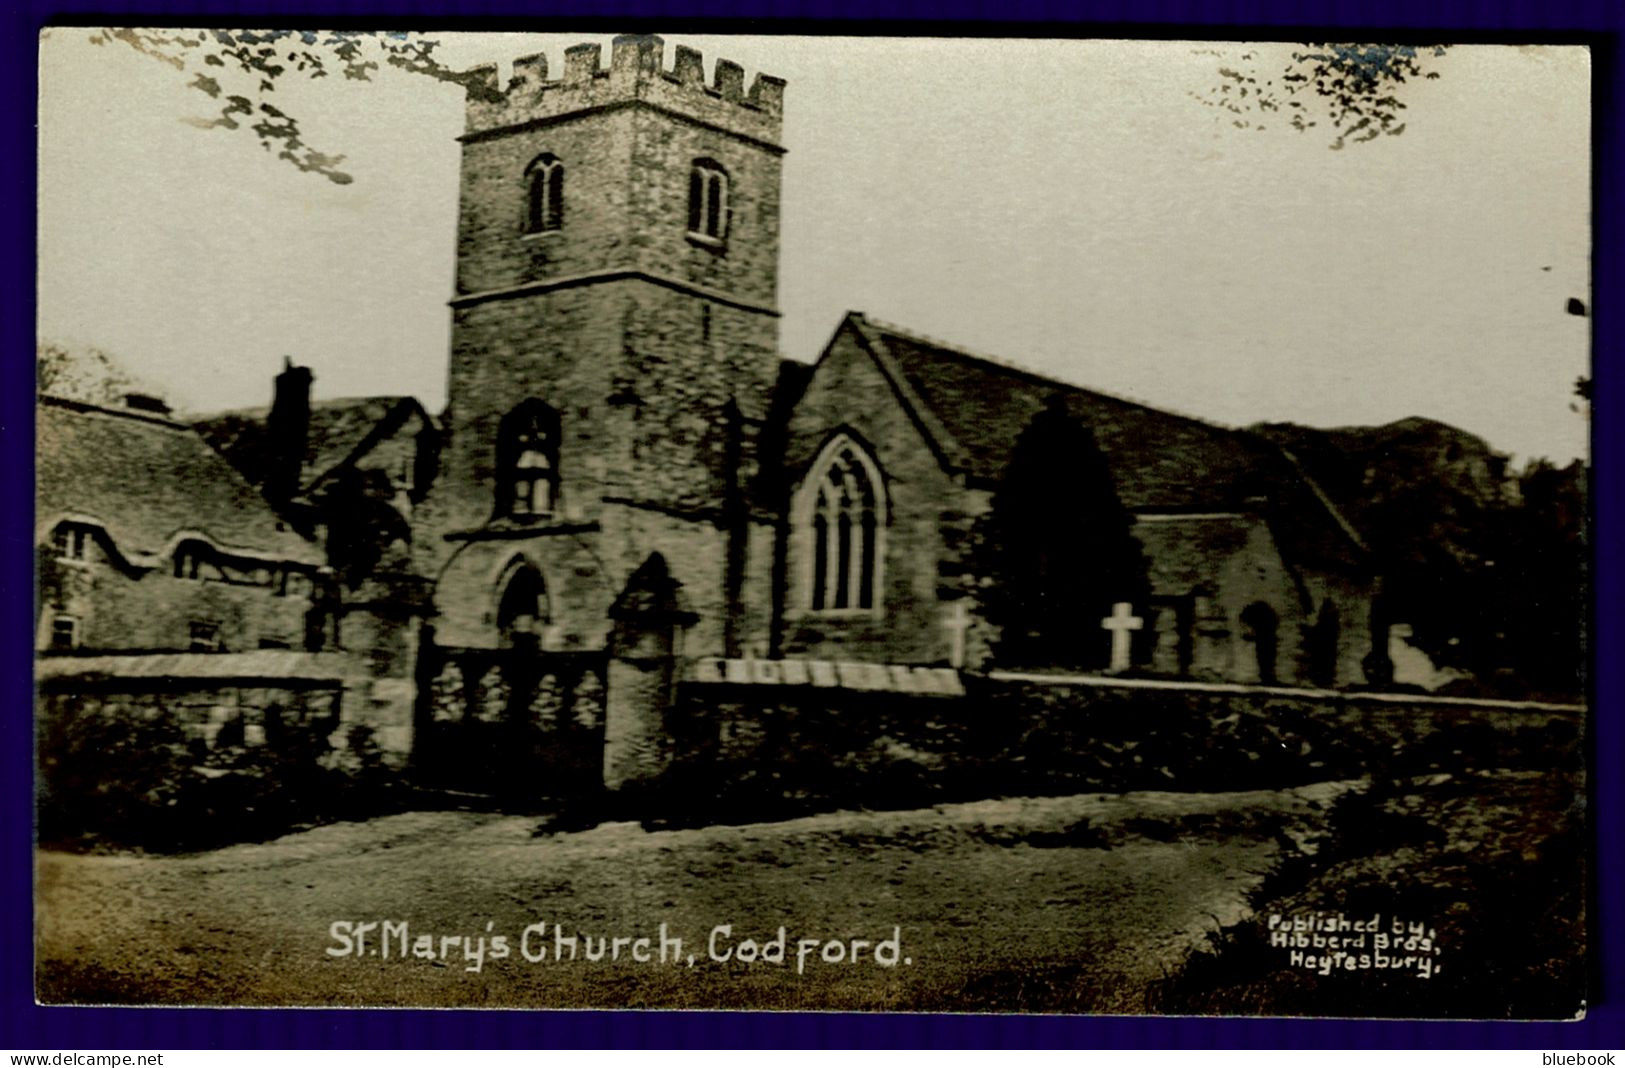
{"points": [[25, 1025]]}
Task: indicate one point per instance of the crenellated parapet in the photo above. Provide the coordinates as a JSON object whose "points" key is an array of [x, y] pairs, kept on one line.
{"points": [[636, 74]]}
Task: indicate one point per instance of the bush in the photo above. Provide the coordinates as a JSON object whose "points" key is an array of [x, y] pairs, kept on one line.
{"points": [[113, 774], [108, 772], [1493, 862]]}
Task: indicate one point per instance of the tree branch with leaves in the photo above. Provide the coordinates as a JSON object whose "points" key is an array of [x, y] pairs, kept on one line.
{"points": [[240, 69], [1354, 89]]}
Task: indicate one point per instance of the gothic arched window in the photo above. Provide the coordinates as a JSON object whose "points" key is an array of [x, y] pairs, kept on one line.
{"points": [[841, 525], [528, 461], [708, 210], [544, 202], [522, 608]]}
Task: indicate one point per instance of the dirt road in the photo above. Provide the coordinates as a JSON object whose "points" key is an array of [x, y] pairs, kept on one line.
{"points": [[1058, 904]]}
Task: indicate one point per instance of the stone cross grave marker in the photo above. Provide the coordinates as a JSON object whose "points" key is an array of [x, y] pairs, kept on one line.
{"points": [[956, 623], [1122, 623]]}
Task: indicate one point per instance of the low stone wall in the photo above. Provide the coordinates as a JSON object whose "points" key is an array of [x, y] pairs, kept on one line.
{"points": [[207, 715], [756, 752], [238, 698], [180, 764]]}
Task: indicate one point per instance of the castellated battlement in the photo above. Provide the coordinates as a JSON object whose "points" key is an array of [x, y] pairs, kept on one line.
{"points": [[636, 72]]}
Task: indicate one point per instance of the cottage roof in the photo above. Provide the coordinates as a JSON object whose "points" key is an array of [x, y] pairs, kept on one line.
{"points": [[149, 482], [340, 430]]}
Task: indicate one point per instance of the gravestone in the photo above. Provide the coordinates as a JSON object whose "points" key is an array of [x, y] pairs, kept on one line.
{"points": [[1122, 623]]}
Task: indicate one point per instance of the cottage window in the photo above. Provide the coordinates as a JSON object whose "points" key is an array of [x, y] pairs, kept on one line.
{"points": [[71, 541], [544, 201], [189, 557], [64, 633], [841, 520], [708, 210], [528, 461], [295, 584], [203, 637]]}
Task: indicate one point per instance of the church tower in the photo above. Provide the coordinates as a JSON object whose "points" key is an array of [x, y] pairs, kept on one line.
{"points": [[614, 326]]}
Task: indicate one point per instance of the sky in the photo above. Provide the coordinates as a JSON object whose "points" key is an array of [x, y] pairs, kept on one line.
{"points": [[1068, 206]]}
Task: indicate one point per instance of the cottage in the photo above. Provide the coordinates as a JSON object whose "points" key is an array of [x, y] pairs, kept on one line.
{"points": [[150, 542]]}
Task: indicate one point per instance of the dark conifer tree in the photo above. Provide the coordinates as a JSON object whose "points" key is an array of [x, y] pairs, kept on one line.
{"points": [[1056, 551]]}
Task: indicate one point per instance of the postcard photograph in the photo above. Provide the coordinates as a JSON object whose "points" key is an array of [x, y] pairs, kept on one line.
{"points": [[933, 524]]}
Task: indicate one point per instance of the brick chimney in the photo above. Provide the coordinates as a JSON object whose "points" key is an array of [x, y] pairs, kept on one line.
{"points": [[287, 431]]}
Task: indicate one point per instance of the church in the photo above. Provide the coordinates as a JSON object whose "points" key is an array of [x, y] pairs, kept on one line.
{"points": [[617, 401]]}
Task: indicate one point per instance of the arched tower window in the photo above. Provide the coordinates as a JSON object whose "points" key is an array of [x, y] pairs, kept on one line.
{"points": [[528, 461], [708, 210], [840, 519], [544, 203]]}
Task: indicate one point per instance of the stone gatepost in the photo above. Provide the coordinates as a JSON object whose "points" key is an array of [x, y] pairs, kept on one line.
{"points": [[648, 620]]}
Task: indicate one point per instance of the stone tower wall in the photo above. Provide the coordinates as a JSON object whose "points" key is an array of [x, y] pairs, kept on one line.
{"points": [[642, 337]]}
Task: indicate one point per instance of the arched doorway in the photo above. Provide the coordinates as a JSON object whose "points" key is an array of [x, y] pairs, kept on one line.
{"points": [[522, 609], [1262, 630], [1321, 645]]}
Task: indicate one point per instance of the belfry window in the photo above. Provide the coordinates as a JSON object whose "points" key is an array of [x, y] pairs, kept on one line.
{"points": [[841, 519], [528, 461], [544, 201], [708, 210]]}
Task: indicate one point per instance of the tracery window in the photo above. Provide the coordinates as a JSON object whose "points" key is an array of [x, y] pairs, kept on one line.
{"points": [[528, 461], [708, 210], [544, 201], [841, 520]]}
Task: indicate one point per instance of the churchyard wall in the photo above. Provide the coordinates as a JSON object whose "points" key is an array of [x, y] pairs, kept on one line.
{"points": [[164, 764], [762, 752]]}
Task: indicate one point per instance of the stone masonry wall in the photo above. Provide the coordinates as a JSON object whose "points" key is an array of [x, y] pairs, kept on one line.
{"points": [[558, 347], [119, 609], [493, 249], [848, 391], [642, 337], [776, 752]]}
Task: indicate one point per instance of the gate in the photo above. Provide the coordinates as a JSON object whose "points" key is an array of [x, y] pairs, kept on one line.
{"points": [[517, 724]]}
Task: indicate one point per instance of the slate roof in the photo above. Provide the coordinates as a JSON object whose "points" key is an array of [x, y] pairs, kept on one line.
{"points": [[973, 408], [1181, 553], [339, 428], [1162, 461], [147, 479]]}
